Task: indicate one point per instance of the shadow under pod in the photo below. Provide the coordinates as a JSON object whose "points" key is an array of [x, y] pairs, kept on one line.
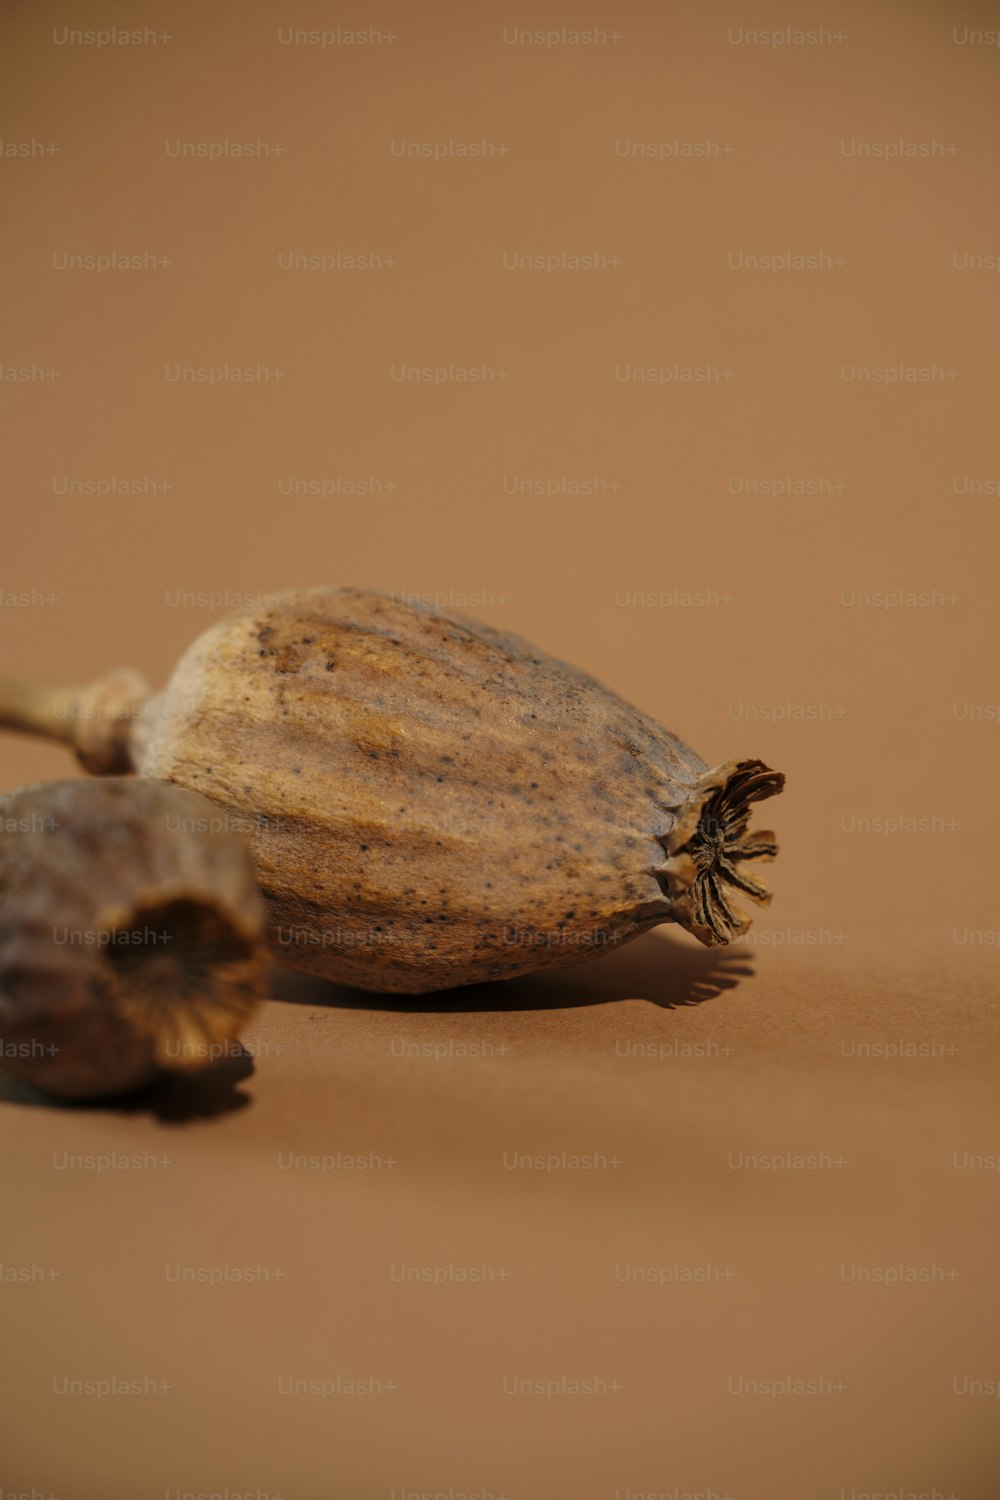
{"points": [[174, 1099], [653, 967]]}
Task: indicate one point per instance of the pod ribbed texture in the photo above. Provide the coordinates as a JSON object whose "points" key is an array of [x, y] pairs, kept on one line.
{"points": [[430, 801]]}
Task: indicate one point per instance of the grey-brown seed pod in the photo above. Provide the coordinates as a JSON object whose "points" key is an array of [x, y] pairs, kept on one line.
{"points": [[431, 802], [131, 935]]}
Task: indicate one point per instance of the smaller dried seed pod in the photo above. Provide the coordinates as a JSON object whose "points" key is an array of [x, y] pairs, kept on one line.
{"points": [[131, 934]]}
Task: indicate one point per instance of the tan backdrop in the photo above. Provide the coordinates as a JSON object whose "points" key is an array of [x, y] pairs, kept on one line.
{"points": [[666, 337]]}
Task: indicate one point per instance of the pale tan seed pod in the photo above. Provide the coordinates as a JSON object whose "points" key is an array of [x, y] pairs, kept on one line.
{"points": [[430, 801], [131, 935]]}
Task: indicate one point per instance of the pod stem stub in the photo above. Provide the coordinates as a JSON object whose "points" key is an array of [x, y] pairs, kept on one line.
{"points": [[708, 846], [97, 721]]}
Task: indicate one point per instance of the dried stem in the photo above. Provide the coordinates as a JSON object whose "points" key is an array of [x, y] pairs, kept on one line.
{"points": [[95, 721]]}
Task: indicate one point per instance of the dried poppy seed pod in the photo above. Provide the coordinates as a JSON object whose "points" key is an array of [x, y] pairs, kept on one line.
{"points": [[131, 934], [432, 802]]}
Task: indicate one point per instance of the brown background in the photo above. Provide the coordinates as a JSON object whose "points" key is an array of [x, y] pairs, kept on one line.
{"points": [[889, 714]]}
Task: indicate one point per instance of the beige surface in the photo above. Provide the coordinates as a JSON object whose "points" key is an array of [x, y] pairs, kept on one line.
{"points": [[888, 937]]}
